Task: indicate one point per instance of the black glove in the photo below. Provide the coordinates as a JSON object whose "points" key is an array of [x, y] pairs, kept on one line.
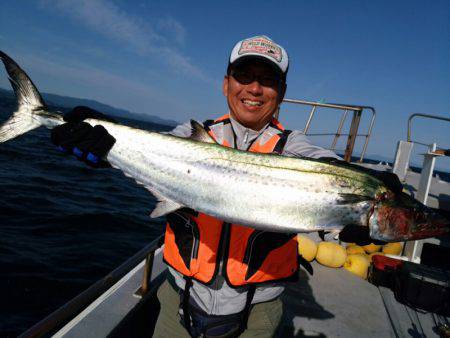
{"points": [[357, 234], [89, 144]]}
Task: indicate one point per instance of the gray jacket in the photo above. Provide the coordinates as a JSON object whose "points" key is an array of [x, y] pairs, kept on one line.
{"points": [[219, 298]]}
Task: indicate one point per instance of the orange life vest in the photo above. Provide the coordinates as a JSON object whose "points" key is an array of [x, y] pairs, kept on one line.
{"points": [[195, 243]]}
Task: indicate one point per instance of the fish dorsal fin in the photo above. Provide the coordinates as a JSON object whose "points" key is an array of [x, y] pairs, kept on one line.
{"points": [[199, 133], [164, 206]]}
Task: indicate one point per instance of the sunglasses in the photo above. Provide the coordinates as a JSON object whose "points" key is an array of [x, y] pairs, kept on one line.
{"points": [[246, 78]]}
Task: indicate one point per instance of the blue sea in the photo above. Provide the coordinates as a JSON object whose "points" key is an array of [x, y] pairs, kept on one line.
{"points": [[63, 226]]}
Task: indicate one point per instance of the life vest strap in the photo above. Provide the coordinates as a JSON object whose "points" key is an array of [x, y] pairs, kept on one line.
{"points": [[185, 304], [248, 304]]}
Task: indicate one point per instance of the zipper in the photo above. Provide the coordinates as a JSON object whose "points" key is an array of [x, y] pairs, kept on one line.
{"points": [[195, 234], [224, 247], [245, 136], [221, 251], [248, 250], [196, 239]]}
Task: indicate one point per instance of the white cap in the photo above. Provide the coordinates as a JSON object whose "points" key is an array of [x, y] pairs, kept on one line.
{"points": [[261, 46]]}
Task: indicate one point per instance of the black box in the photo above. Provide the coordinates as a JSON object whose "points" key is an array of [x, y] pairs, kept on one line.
{"points": [[423, 287], [382, 271], [436, 256]]}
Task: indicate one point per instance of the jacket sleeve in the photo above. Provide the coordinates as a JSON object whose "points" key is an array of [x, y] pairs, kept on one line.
{"points": [[298, 145]]}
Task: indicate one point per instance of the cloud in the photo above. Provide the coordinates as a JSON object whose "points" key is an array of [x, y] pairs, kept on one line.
{"points": [[93, 83], [173, 28], [108, 20]]}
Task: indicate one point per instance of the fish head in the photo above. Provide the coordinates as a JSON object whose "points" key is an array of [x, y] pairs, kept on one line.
{"points": [[399, 217]]}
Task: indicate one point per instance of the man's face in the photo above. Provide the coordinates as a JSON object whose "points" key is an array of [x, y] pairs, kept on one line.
{"points": [[253, 103]]}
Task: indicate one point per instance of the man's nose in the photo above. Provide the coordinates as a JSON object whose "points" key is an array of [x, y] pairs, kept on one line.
{"points": [[255, 87]]}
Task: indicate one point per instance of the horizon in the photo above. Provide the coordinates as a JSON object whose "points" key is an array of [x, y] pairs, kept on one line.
{"points": [[164, 59]]}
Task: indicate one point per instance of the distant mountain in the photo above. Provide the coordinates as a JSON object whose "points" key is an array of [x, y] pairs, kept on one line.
{"points": [[70, 102]]}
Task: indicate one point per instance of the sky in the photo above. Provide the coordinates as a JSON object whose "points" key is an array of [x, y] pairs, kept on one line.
{"points": [[168, 58]]}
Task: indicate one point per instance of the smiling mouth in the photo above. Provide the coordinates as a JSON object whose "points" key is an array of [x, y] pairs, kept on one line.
{"points": [[252, 103]]}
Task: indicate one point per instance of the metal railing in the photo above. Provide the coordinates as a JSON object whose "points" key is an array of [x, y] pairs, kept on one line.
{"points": [[353, 132], [435, 117], [404, 148], [413, 249], [69, 310], [430, 157]]}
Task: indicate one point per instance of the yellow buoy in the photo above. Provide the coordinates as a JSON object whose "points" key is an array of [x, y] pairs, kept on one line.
{"points": [[355, 249], [307, 248], [371, 248], [392, 248], [366, 256], [331, 254], [357, 264]]}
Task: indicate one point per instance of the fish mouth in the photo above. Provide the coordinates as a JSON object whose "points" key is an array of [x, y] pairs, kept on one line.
{"points": [[404, 219]]}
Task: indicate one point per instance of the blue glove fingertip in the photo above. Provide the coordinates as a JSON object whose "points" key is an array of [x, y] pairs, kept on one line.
{"points": [[92, 158], [77, 152]]}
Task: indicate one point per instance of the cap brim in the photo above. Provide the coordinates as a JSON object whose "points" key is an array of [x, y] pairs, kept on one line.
{"points": [[245, 58]]}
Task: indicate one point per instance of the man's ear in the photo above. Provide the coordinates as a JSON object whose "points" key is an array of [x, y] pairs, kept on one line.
{"points": [[225, 85]]}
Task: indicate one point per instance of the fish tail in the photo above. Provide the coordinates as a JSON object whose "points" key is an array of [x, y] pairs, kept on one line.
{"points": [[29, 101]]}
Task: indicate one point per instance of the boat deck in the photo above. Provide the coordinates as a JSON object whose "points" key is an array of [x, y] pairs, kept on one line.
{"points": [[336, 303], [329, 303]]}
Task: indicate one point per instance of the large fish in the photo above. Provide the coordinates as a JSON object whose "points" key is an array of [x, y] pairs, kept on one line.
{"points": [[264, 191]]}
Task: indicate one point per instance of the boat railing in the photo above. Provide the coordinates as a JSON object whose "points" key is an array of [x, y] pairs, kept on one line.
{"points": [[58, 318], [356, 111], [436, 117], [429, 158], [413, 250], [403, 155]]}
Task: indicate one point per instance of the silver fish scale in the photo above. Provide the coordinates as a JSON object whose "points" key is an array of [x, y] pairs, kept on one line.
{"points": [[267, 192]]}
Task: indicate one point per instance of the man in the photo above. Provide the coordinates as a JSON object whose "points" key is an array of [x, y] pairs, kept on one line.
{"points": [[225, 279], [254, 86]]}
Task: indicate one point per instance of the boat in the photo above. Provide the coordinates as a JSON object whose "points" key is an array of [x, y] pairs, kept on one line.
{"points": [[328, 303]]}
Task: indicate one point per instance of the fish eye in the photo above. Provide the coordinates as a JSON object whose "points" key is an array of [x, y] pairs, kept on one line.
{"points": [[383, 196]]}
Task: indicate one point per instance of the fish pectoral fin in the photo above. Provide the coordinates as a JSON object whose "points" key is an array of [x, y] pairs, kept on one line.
{"points": [[165, 207], [199, 133], [351, 198], [329, 235]]}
